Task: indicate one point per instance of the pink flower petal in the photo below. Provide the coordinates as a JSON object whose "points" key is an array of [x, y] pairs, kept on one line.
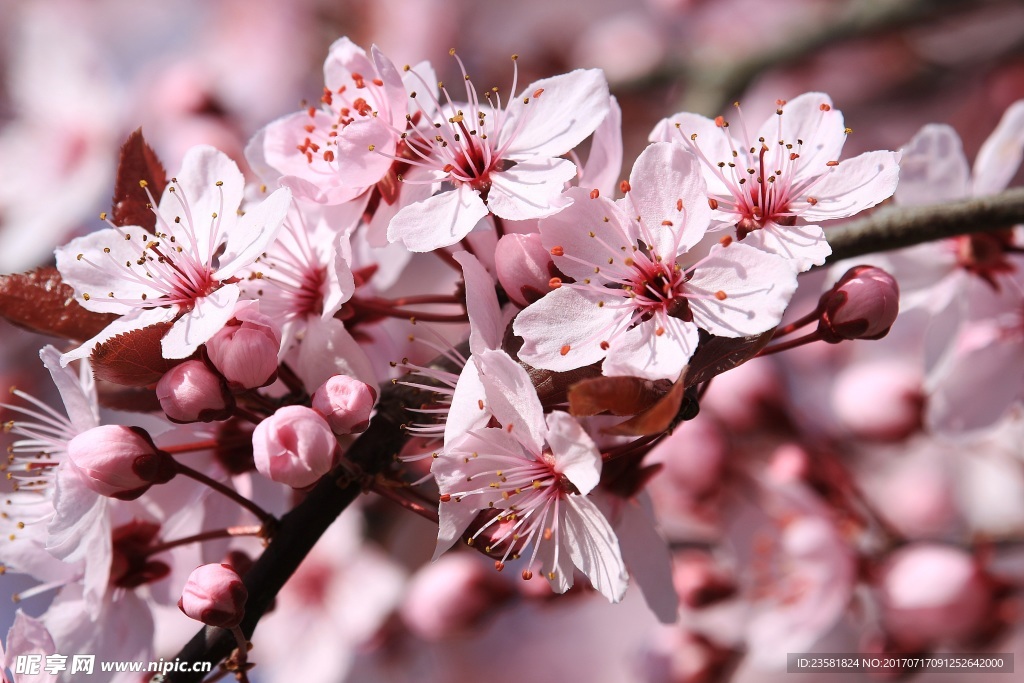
{"points": [[512, 398], [439, 221], [999, 157], [757, 287], [554, 121], [576, 456], [209, 314], [669, 195], [933, 167], [564, 329], [530, 189], [854, 185]]}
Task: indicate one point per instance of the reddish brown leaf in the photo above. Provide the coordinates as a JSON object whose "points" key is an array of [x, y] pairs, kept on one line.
{"points": [[40, 301], [715, 355], [659, 417], [139, 164], [615, 395], [134, 358]]}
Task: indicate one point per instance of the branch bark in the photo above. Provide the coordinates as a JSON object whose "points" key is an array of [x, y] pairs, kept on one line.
{"points": [[300, 529], [894, 227]]}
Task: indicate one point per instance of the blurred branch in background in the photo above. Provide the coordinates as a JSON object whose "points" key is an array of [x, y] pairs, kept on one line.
{"points": [[709, 85]]}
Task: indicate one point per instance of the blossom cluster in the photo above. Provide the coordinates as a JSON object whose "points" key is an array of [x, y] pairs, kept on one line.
{"points": [[232, 341]]}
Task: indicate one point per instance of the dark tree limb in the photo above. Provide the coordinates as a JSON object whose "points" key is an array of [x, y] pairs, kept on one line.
{"points": [[894, 227], [300, 529]]}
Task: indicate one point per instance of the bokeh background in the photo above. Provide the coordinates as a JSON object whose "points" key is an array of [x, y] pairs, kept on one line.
{"points": [[76, 76]]}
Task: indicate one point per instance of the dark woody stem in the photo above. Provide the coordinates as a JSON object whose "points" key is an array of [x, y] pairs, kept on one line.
{"points": [[790, 344], [300, 529], [229, 532], [894, 227]]}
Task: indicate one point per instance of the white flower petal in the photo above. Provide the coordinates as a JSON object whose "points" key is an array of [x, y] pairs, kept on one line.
{"points": [[669, 195], [593, 546], [253, 233], [327, 350], [79, 399], [439, 221], [821, 131], [757, 288], [83, 275], [568, 321], [569, 109], [642, 352], [570, 230], [511, 397], [576, 456], [468, 409], [802, 245], [530, 189], [208, 315], [933, 167], [202, 168], [604, 164], [999, 157], [854, 185], [485, 321]]}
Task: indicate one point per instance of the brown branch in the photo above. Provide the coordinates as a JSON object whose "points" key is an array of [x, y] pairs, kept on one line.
{"points": [[709, 85], [895, 227], [300, 529]]}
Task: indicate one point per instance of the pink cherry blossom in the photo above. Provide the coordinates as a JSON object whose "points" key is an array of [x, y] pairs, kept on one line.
{"points": [[182, 273], [302, 281], [534, 473], [497, 159], [775, 185], [638, 298], [333, 154]]}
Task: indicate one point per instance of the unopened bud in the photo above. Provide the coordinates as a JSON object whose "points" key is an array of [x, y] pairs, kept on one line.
{"points": [[245, 350], [294, 446], [119, 462], [933, 595], [524, 267], [191, 392], [346, 403], [215, 595], [862, 305]]}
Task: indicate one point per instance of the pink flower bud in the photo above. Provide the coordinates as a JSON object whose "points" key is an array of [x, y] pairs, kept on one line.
{"points": [[346, 403], [215, 595], [524, 267], [452, 595], [933, 595], [294, 446], [245, 350], [119, 462], [862, 305], [191, 392]]}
